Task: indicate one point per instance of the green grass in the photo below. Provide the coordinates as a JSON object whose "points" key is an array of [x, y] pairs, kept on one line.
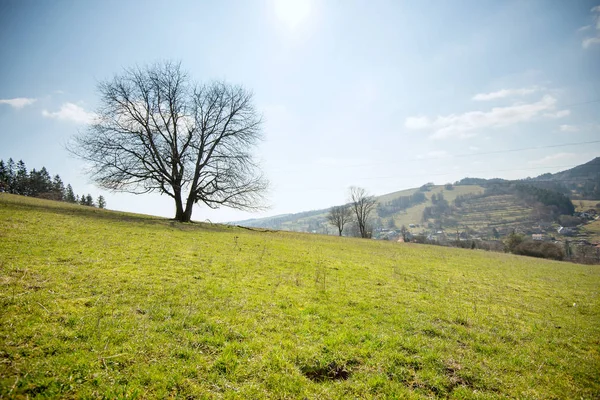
{"points": [[98, 304], [584, 205]]}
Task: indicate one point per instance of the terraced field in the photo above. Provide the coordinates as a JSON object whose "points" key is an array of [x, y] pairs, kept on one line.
{"points": [[501, 211], [413, 214]]}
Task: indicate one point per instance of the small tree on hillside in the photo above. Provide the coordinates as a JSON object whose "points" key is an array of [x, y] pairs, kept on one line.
{"points": [[339, 216], [404, 232], [10, 173], [58, 188], [101, 202], [4, 177], [21, 184], [362, 205], [512, 241], [70, 195], [391, 224]]}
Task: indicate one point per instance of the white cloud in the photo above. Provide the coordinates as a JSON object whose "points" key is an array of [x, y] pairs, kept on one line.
{"points": [[558, 114], [592, 40], [19, 102], [71, 112], [568, 128], [587, 42], [466, 124], [500, 94]]}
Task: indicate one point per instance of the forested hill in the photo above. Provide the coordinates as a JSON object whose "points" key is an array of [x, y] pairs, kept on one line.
{"points": [[582, 182]]}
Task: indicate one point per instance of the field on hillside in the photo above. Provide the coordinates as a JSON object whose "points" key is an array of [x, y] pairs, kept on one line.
{"points": [[504, 211], [98, 304], [592, 231], [414, 214], [584, 205]]}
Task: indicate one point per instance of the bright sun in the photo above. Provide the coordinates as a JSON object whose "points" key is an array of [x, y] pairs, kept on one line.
{"points": [[292, 12]]}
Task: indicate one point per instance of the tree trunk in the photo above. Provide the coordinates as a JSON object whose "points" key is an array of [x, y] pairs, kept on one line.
{"points": [[179, 213], [187, 213]]}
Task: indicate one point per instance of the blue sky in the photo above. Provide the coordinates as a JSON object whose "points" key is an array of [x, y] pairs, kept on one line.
{"points": [[386, 95]]}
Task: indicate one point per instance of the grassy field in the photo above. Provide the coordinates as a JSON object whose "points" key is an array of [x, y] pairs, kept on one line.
{"points": [[584, 205], [98, 304], [592, 231]]}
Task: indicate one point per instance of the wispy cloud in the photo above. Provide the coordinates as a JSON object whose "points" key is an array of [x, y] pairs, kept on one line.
{"points": [[467, 124], [558, 114], [71, 112], [551, 159], [568, 128], [595, 39], [18, 102], [587, 42], [503, 93]]}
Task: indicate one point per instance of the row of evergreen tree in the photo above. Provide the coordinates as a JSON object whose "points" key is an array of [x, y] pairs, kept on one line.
{"points": [[14, 178]]}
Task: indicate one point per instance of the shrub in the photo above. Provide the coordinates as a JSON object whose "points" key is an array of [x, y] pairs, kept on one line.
{"points": [[569, 221], [540, 250], [512, 241]]}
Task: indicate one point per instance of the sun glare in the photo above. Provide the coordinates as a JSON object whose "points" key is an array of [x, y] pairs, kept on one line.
{"points": [[292, 13]]}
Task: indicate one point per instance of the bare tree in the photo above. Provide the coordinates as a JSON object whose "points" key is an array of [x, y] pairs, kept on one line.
{"points": [[404, 232], [362, 204], [157, 131], [339, 216]]}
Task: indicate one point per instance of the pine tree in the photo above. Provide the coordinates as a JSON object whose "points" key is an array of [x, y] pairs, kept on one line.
{"points": [[3, 177], [58, 188], [82, 200], [89, 200], [21, 179], [101, 202], [46, 181], [69, 195], [10, 170]]}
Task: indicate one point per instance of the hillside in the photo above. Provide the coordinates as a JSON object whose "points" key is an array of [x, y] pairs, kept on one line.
{"points": [[582, 181], [316, 221], [99, 304], [481, 212]]}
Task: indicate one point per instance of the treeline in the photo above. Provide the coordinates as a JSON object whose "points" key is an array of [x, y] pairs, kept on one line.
{"points": [[16, 179], [400, 203], [438, 209], [547, 198], [532, 194]]}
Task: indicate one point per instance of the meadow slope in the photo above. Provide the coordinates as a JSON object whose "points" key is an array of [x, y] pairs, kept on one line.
{"points": [[100, 304]]}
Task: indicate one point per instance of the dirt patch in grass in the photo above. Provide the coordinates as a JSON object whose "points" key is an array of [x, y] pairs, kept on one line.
{"points": [[333, 371]]}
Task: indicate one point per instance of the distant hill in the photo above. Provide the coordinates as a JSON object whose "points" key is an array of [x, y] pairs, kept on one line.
{"points": [[483, 206], [582, 182]]}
